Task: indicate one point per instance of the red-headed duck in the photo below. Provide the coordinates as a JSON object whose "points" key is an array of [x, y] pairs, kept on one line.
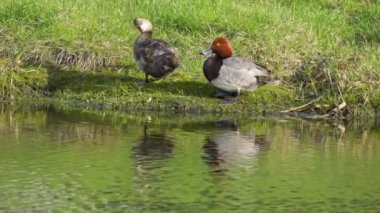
{"points": [[232, 74], [155, 57]]}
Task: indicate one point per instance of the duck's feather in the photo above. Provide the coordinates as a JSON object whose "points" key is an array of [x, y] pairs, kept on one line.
{"points": [[241, 64], [155, 57], [237, 74]]}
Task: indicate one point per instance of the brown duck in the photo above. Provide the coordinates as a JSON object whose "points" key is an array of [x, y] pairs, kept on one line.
{"points": [[155, 57]]}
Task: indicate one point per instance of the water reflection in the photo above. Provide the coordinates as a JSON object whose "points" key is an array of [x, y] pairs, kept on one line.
{"points": [[114, 161], [228, 144], [72, 126], [153, 146]]}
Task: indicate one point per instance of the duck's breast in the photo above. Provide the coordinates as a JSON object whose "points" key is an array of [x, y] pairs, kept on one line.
{"points": [[211, 67], [141, 52]]}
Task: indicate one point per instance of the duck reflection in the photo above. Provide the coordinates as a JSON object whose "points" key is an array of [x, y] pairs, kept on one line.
{"points": [[153, 146], [228, 144]]}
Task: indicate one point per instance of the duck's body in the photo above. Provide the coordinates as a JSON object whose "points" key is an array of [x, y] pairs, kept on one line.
{"points": [[232, 74], [155, 57]]}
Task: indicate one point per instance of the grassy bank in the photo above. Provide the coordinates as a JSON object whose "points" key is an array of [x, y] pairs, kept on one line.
{"points": [[80, 52]]}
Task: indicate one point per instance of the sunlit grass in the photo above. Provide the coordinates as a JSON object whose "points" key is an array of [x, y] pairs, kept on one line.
{"points": [[318, 48]]}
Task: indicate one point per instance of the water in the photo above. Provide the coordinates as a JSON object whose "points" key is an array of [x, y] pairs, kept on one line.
{"points": [[75, 161]]}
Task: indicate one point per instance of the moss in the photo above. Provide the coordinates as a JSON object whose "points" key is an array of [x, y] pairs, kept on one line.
{"points": [[268, 98], [112, 89]]}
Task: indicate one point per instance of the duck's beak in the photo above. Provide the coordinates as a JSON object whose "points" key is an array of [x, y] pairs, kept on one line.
{"points": [[207, 52], [135, 22]]}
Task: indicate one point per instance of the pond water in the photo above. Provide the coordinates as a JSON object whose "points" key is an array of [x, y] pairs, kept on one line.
{"points": [[71, 160]]}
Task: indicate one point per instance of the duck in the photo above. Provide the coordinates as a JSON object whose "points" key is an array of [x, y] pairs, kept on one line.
{"points": [[155, 57], [232, 75], [228, 144]]}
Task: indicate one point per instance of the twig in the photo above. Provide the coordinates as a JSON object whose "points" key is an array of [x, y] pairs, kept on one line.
{"points": [[299, 108]]}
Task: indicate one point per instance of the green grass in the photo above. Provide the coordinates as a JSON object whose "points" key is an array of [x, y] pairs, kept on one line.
{"points": [[81, 51]]}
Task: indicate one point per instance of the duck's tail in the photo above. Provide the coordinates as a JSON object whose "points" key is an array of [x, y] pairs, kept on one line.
{"points": [[274, 82], [262, 80]]}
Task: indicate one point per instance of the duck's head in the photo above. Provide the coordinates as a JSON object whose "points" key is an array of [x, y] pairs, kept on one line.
{"points": [[143, 25], [221, 47]]}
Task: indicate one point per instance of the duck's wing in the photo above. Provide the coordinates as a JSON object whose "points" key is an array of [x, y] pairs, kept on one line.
{"points": [[243, 66], [241, 73], [157, 54], [150, 49]]}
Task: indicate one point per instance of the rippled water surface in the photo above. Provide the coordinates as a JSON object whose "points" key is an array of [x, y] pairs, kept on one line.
{"points": [[112, 161]]}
